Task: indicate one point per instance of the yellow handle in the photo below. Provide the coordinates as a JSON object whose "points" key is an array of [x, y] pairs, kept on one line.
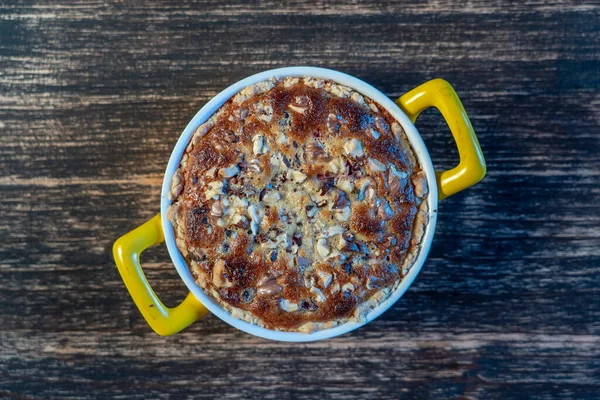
{"points": [[439, 94], [126, 250]]}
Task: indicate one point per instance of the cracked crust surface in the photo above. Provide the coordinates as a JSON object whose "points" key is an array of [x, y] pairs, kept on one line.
{"points": [[299, 205]]}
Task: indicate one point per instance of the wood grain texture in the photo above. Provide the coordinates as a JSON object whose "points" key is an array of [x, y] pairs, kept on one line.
{"points": [[93, 96]]}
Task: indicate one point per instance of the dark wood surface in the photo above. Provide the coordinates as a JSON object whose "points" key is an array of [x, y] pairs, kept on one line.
{"points": [[94, 95]]}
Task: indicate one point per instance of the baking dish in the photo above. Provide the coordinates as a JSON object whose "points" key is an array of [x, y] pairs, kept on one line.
{"points": [[471, 169]]}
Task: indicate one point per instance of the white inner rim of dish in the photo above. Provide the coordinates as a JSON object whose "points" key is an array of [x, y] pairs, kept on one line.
{"points": [[209, 109]]}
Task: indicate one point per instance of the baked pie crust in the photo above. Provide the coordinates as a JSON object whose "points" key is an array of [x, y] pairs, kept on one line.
{"points": [[299, 205]]}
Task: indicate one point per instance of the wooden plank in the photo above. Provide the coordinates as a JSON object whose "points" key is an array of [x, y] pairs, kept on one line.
{"points": [[93, 97]]}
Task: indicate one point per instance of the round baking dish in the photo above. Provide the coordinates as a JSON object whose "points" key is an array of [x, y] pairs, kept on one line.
{"points": [[470, 170]]}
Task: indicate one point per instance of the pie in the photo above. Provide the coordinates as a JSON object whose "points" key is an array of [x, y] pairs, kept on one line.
{"points": [[299, 205]]}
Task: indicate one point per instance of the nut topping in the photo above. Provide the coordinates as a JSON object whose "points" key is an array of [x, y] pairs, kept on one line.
{"points": [[341, 201], [384, 211], [397, 131], [217, 209], [357, 98], [323, 248], [288, 306], [348, 287], [269, 288], [333, 123], [314, 152], [311, 210], [300, 104], [259, 145], [343, 214], [219, 279], [381, 125], [229, 172], [346, 184], [420, 183], [354, 148], [240, 113], [325, 278], [297, 176], [271, 197], [264, 112], [319, 296], [376, 166]]}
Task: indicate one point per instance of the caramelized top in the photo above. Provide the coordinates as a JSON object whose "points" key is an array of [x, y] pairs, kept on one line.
{"points": [[296, 202]]}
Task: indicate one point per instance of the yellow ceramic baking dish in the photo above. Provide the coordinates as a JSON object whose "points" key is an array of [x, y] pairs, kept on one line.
{"points": [[470, 170]]}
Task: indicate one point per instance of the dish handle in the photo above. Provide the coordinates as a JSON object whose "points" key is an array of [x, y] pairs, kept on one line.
{"points": [[439, 94], [126, 251]]}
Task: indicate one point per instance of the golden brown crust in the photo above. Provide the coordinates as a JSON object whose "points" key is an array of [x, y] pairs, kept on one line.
{"points": [[299, 205]]}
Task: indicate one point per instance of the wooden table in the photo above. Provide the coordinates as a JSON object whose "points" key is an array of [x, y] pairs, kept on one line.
{"points": [[93, 97]]}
